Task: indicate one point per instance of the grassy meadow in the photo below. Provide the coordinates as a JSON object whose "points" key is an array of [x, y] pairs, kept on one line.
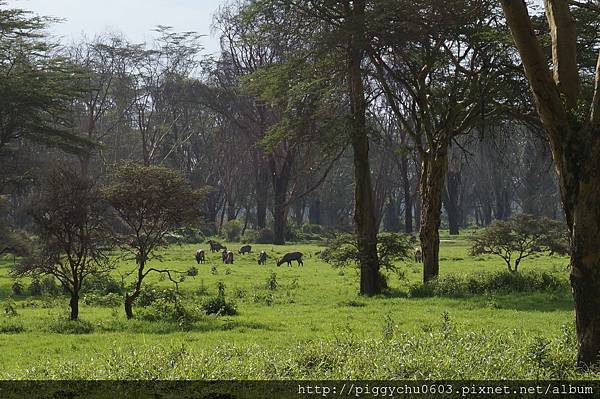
{"points": [[308, 322]]}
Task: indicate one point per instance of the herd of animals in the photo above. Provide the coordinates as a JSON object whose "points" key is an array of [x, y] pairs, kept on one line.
{"points": [[227, 256]]}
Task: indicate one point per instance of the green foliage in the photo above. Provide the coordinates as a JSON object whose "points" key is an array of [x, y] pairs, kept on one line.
{"points": [[35, 287], [219, 305], [63, 325], [109, 300], [9, 307], [17, 288], [11, 325], [151, 294], [103, 284], [192, 271], [343, 250], [262, 236], [502, 282], [232, 230], [519, 237], [271, 284]]}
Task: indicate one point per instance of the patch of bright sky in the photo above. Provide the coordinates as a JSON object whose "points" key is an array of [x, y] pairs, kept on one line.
{"points": [[135, 19]]}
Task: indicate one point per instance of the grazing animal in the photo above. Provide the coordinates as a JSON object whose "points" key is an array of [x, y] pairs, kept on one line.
{"points": [[224, 256], [200, 257], [215, 246], [262, 258], [289, 257], [418, 254], [246, 249], [229, 258]]}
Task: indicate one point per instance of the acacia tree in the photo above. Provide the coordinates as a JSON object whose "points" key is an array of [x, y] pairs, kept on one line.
{"points": [[151, 202], [571, 120], [519, 237], [439, 77], [73, 231]]}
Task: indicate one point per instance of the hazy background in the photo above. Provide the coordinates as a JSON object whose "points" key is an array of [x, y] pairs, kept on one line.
{"points": [[134, 18]]}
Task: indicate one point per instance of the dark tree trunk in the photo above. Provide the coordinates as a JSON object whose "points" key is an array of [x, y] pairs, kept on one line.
{"points": [[231, 211], [280, 207], [129, 300], [371, 282], [314, 212], [451, 201], [432, 187], [585, 266], [262, 192], [408, 202], [417, 197], [74, 305]]}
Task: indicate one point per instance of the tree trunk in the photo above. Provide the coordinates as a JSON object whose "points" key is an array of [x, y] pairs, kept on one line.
{"points": [[432, 186], [408, 202], [280, 186], [371, 282], [585, 268], [314, 212], [451, 201], [262, 192], [74, 305]]}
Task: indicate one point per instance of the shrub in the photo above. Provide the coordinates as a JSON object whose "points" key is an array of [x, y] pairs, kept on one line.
{"points": [[150, 294], [10, 308], [262, 236], [110, 300], [192, 271], [343, 250], [519, 237], [102, 284], [218, 305], [232, 230], [65, 326], [454, 285], [272, 282], [17, 288], [170, 311], [35, 287], [49, 286], [11, 326]]}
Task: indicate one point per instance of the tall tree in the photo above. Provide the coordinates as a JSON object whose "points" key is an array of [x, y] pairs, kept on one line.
{"points": [[572, 123]]}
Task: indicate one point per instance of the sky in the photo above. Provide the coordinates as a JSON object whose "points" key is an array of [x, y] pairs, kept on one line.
{"points": [[134, 18]]}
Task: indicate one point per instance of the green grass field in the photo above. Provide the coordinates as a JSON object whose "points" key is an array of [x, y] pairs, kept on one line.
{"points": [[316, 310]]}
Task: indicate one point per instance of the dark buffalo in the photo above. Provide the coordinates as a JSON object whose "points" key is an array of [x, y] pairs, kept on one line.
{"points": [[246, 249], [229, 258], [215, 246], [262, 258], [289, 257], [200, 257]]}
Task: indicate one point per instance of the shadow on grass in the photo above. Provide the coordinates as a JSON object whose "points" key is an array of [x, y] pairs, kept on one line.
{"points": [[204, 325]]}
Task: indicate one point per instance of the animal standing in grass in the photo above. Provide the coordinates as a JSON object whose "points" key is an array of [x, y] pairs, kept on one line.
{"points": [[289, 257], [418, 255], [246, 249], [215, 246], [200, 256], [229, 258], [262, 258]]}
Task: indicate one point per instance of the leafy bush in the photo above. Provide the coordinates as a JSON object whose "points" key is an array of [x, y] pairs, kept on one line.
{"points": [[17, 288], [65, 326], [110, 300], [218, 305], [171, 311], [519, 237], [232, 230], [150, 294], [272, 282], [49, 286], [262, 236], [103, 285], [343, 249], [455, 285], [192, 271], [10, 308], [35, 287]]}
